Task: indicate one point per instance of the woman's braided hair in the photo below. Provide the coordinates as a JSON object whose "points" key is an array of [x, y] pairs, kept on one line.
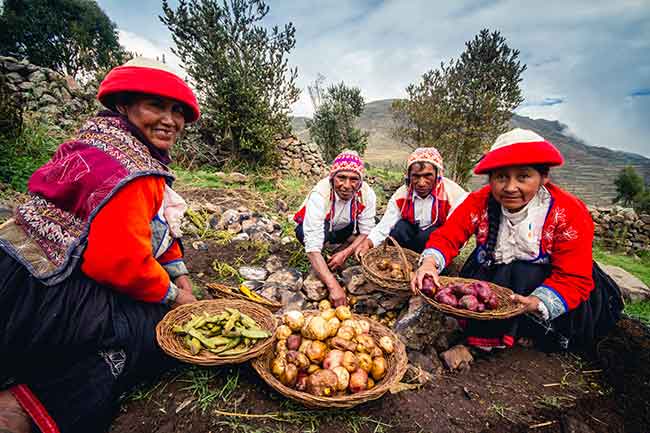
{"points": [[494, 220]]}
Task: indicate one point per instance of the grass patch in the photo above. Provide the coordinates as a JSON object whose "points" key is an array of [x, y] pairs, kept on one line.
{"points": [[637, 266], [198, 178], [201, 384], [639, 310]]}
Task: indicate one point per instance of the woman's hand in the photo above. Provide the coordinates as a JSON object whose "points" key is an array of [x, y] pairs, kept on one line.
{"points": [[363, 247], [184, 297], [530, 303], [428, 268], [183, 282]]}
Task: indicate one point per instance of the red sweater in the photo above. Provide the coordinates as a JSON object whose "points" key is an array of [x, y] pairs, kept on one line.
{"points": [[567, 237], [119, 252]]}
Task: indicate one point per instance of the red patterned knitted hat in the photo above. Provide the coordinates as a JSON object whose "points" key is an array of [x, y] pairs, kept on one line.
{"points": [[348, 160], [426, 154], [148, 76]]}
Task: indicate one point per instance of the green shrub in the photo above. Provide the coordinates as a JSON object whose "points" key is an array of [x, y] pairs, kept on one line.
{"points": [[23, 154]]}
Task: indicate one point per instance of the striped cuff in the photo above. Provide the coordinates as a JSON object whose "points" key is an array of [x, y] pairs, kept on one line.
{"points": [[171, 295], [438, 257], [551, 300], [176, 268]]}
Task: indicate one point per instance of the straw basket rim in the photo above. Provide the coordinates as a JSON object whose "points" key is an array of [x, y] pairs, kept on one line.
{"points": [[220, 290], [407, 258], [397, 364], [172, 345], [507, 307]]}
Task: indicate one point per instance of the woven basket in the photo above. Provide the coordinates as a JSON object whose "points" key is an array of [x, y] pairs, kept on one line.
{"points": [[225, 292], [507, 307], [172, 344], [370, 266], [397, 362]]}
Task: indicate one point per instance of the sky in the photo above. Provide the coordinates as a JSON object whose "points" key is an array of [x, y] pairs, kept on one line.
{"points": [[588, 61]]}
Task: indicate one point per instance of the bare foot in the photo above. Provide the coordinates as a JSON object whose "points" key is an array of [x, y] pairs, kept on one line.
{"points": [[525, 342], [13, 418], [457, 358]]}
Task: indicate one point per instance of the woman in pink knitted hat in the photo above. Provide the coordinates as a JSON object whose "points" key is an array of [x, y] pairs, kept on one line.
{"points": [[93, 261], [340, 209], [534, 238], [420, 206]]}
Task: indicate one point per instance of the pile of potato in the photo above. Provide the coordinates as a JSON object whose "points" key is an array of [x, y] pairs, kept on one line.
{"points": [[329, 353], [391, 268]]}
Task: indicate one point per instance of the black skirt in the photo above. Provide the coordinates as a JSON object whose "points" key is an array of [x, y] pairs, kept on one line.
{"points": [[577, 329], [77, 345]]}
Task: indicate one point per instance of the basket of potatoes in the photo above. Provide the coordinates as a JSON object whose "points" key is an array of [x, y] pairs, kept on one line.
{"points": [[389, 266], [331, 358]]}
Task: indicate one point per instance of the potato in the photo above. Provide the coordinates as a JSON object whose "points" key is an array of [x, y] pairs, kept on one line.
{"points": [[294, 320], [396, 267], [289, 376], [364, 325], [343, 312], [371, 383], [283, 332], [298, 359], [333, 326], [345, 332], [358, 381], [343, 378], [365, 343], [316, 351], [365, 362], [301, 382], [343, 344], [328, 314], [304, 345], [379, 367], [396, 274], [333, 359], [313, 368], [316, 329], [384, 265], [375, 352], [322, 383], [350, 362], [281, 346], [278, 366], [324, 305], [293, 342], [386, 344]]}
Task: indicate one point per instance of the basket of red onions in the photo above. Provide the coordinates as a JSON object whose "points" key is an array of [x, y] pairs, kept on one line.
{"points": [[474, 299]]}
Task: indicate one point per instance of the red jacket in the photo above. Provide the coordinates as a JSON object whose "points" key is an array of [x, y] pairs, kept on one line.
{"points": [[566, 241]]}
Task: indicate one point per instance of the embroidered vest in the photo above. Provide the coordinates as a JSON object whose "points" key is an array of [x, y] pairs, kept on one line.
{"points": [[48, 233]]}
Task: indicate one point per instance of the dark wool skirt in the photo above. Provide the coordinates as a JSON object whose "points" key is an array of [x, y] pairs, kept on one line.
{"points": [[409, 235], [77, 345], [577, 329]]}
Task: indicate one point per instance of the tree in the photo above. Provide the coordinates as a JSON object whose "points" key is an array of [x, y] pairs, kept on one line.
{"points": [[240, 71], [74, 37], [629, 186], [462, 106], [333, 125]]}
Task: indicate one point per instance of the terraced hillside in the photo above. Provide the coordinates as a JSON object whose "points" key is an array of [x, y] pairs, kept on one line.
{"points": [[589, 171]]}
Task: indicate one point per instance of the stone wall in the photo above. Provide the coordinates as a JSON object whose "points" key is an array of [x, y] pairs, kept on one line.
{"points": [[621, 228], [44, 92], [298, 158]]}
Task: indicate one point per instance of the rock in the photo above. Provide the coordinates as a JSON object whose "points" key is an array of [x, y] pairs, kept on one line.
{"points": [[419, 325], [244, 213], [235, 177], [416, 375], [262, 236], [247, 225], [288, 277], [234, 228], [14, 77], [645, 218], [13, 66], [281, 205], [273, 264], [213, 209], [241, 237], [37, 77], [629, 215], [253, 285], [353, 278], [314, 288], [632, 288], [365, 304], [26, 85], [49, 99], [286, 240], [6, 212], [254, 273], [457, 358], [228, 218], [393, 302], [200, 245], [292, 300], [270, 292]]}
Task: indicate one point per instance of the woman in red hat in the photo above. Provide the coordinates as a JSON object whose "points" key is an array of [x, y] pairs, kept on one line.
{"points": [[534, 238], [92, 261]]}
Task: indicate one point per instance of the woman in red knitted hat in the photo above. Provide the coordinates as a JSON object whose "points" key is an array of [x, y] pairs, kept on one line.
{"points": [[534, 238], [92, 261]]}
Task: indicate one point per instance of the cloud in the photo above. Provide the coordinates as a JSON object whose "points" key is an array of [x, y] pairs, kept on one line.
{"points": [[148, 48], [588, 60]]}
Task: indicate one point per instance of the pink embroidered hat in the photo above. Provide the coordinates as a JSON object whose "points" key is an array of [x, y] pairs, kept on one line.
{"points": [[348, 160], [519, 147], [148, 76], [425, 154]]}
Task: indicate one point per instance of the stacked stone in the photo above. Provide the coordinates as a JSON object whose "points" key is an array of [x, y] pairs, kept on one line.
{"points": [[303, 159], [622, 228], [45, 92]]}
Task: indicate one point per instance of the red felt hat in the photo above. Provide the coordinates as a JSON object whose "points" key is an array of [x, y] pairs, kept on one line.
{"points": [[151, 77], [519, 147]]}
